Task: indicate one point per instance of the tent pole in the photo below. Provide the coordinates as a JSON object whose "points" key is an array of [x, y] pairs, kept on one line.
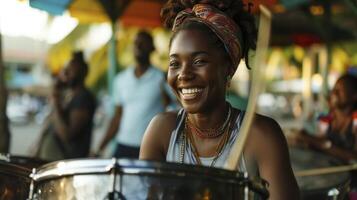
{"points": [[112, 58], [4, 121]]}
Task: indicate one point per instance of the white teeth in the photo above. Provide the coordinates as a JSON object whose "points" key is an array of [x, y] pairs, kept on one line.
{"points": [[191, 90]]}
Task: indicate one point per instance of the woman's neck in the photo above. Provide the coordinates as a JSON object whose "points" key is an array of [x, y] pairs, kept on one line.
{"points": [[210, 119], [341, 120]]}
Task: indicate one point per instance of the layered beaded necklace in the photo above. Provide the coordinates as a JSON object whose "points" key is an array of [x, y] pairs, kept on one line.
{"points": [[211, 132], [187, 137]]}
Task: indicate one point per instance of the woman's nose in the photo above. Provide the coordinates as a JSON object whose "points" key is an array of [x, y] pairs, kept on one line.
{"points": [[186, 72]]}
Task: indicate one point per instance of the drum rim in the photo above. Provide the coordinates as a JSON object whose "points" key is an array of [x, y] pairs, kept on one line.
{"points": [[72, 167], [14, 170], [15, 158]]}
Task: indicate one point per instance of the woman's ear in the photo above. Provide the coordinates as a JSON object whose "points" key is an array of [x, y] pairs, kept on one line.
{"points": [[228, 68]]}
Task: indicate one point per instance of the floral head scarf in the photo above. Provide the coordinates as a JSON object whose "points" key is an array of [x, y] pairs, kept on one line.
{"points": [[222, 25]]}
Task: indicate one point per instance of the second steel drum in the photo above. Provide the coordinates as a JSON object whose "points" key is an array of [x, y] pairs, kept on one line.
{"points": [[27, 162], [14, 181], [322, 187]]}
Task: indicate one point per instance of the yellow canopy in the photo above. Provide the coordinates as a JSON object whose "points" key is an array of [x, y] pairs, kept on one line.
{"points": [[88, 11]]}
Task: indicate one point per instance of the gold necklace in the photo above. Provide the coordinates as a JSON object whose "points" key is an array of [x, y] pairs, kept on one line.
{"points": [[218, 150]]}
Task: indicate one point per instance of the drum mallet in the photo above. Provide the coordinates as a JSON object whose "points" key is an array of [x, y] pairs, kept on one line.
{"points": [[256, 86], [326, 170]]}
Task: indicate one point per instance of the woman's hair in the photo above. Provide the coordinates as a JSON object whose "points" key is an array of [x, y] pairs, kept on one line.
{"points": [[232, 8], [350, 82]]}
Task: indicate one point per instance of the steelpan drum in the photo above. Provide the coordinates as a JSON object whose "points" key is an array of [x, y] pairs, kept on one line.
{"points": [[321, 187], [27, 162], [14, 181], [99, 179]]}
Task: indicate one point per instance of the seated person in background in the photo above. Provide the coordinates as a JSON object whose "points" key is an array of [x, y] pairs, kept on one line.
{"points": [[336, 134], [69, 128]]}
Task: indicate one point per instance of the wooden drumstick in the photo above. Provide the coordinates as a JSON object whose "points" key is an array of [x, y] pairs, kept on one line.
{"points": [[256, 86], [326, 170]]}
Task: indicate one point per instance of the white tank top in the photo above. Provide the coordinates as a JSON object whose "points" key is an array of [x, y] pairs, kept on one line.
{"points": [[174, 153]]}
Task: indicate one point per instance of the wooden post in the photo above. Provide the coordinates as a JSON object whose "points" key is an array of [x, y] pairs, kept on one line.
{"points": [[112, 57], [4, 121]]}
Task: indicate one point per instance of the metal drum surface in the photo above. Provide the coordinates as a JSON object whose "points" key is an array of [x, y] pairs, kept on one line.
{"points": [[329, 186], [98, 179], [14, 181]]}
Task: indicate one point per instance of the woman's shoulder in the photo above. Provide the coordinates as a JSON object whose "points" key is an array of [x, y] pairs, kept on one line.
{"points": [[268, 128], [163, 124], [166, 120], [262, 125], [157, 135], [266, 134], [266, 124]]}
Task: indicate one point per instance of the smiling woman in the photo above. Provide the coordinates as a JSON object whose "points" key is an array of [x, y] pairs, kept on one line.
{"points": [[210, 38], [193, 73]]}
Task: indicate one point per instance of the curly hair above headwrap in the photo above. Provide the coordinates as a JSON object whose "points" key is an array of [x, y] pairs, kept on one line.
{"points": [[235, 11]]}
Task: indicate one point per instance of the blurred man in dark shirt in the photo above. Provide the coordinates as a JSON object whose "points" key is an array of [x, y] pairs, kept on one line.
{"points": [[69, 129]]}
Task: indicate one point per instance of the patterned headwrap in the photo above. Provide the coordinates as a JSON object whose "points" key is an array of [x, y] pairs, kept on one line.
{"points": [[222, 25]]}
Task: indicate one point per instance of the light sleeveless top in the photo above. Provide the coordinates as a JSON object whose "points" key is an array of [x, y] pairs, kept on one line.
{"points": [[176, 144]]}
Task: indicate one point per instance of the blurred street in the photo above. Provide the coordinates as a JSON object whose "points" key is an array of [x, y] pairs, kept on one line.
{"points": [[25, 136]]}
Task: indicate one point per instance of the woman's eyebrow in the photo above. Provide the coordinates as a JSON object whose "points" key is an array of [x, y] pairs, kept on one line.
{"points": [[174, 55], [199, 53]]}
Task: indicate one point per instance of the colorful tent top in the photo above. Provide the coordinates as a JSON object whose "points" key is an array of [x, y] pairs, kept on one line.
{"points": [[131, 12], [88, 11], [143, 13], [148, 15]]}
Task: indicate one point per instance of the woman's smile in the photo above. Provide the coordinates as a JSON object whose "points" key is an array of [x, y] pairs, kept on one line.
{"points": [[190, 93]]}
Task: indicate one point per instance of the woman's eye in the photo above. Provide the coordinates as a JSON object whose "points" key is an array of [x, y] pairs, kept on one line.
{"points": [[199, 62], [173, 64]]}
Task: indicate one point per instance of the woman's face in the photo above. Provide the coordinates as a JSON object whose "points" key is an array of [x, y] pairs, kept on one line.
{"points": [[341, 96], [197, 71]]}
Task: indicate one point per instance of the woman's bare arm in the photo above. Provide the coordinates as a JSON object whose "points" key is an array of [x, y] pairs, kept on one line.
{"points": [[273, 159], [322, 144]]}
